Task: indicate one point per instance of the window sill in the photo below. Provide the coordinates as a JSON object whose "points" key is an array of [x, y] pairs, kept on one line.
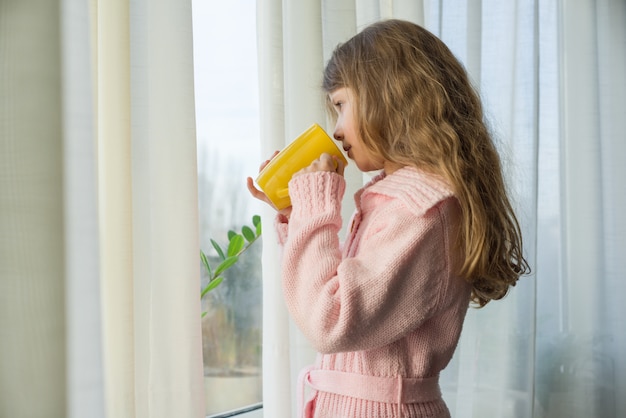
{"points": [[252, 411]]}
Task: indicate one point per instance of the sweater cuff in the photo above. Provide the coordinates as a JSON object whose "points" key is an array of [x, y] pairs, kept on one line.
{"points": [[313, 193], [281, 224]]}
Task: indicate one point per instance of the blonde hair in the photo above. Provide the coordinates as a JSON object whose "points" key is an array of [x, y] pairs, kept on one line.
{"points": [[414, 105]]}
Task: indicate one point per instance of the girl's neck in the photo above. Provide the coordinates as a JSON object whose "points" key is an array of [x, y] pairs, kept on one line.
{"points": [[390, 167]]}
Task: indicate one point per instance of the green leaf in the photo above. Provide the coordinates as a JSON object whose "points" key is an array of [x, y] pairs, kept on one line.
{"points": [[212, 285], [203, 314], [248, 233], [227, 263], [256, 221], [205, 261], [231, 234], [218, 249], [236, 245]]}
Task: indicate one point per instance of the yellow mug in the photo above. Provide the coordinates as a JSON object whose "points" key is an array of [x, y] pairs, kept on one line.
{"points": [[305, 149]]}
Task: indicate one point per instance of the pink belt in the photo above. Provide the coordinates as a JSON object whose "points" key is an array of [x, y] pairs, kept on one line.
{"points": [[399, 390]]}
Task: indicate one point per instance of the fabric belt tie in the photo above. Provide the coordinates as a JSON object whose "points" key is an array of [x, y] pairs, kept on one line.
{"points": [[399, 390]]}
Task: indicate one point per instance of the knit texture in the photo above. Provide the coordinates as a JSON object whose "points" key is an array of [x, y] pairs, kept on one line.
{"points": [[387, 301]]}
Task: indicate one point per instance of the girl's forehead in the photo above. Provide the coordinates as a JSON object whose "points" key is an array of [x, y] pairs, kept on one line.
{"points": [[341, 92]]}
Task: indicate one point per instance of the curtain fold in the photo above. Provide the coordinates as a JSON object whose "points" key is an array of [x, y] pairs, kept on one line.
{"points": [[551, 78], [165, 215], [32, 297], [582, 368], [148, 189], [492, 371], [100, 312], [82, 288], [115, 203], [276, 348]]}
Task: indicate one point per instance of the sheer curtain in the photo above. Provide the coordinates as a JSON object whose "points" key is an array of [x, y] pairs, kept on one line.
{"points": [[551, 75], [99, 305]]}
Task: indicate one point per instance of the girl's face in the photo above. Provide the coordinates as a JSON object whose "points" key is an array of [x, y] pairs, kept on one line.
{"points": [[347, 132]]}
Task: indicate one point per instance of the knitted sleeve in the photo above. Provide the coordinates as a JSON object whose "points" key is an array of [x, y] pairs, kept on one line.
{"points": [[389, 283]]}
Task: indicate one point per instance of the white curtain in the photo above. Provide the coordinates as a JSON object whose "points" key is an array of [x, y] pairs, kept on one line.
{"points": [[551, 74], [99, 305]]}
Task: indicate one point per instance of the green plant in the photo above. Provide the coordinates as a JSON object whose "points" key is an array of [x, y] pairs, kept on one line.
{"points": [[229, 255]]}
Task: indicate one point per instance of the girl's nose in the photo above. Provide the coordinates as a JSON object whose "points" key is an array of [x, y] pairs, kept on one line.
{"points": [[338, 134]]}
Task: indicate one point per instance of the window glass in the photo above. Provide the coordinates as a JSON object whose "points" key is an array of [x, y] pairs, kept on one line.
{"points": [[226, 91]]}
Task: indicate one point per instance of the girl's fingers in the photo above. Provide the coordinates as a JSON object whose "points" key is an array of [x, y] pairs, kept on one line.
{"points": [[266, 162], [341, 166], [325, 162], [256, 193]]}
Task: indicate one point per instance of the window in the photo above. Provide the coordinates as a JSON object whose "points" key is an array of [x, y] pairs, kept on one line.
{"points": [[226, 91]]}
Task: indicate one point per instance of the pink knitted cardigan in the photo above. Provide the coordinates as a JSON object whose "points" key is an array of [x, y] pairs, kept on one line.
{"points": [[386, 303]]}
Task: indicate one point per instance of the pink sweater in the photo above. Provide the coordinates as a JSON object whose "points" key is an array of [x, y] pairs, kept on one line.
{"points": [[386, 303]]}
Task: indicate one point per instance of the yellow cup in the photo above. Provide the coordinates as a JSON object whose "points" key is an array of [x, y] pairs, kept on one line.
{"points": [[305, 149]]}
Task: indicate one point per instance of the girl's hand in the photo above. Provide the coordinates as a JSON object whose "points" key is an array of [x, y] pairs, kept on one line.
{"points": [[256, 193], [325, 162], [260, 195]]}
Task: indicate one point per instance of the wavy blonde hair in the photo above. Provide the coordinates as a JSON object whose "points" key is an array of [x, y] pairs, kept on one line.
{"points": [[415, 105]]}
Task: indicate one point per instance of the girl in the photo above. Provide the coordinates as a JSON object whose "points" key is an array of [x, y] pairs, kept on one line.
{"points": [[432, 232]]}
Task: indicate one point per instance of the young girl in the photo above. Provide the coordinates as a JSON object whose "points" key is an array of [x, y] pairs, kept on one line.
{"points": [[432, 232]]}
